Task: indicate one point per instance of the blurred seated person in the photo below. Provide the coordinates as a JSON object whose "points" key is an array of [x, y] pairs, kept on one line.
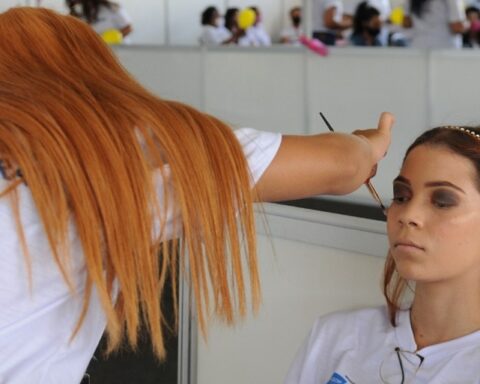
{"points": [[212, 32], [329, 21], [231, 20], [102, 15], [290, 34], [366, 26], [471, 38], [435, 24], [256, 35]]}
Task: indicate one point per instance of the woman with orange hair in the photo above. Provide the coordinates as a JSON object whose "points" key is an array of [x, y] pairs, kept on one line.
{"points": [[99, 173]]}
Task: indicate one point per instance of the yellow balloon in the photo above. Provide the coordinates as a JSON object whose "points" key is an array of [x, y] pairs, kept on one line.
{"points": [[112, 36], [396, 17], [246, 18]]}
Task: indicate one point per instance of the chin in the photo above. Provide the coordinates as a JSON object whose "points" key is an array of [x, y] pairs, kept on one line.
{"points": [[409, 270]]}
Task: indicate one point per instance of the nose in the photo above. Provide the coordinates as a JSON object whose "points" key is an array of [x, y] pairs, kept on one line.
{"points": [[408, 214]]}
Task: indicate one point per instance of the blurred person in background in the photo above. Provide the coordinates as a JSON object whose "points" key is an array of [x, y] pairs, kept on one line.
{"points": [[213, 32], [102, 15], [290, 34], [435, 23], [256, 35], [366, 26], [471, 38], [329, 21]]}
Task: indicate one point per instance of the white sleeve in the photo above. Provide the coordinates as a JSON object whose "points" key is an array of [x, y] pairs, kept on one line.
{"points": [[259, 147], [210, 37], [456, 11]]}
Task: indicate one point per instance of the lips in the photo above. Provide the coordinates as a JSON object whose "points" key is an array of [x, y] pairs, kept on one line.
{"points": [[408, 244]]}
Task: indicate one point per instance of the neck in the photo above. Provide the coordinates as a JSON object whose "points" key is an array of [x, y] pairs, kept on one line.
{"points": [[443, 312]]}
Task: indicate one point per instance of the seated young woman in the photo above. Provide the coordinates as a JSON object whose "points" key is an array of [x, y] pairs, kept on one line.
{"points": [[434, 253]]}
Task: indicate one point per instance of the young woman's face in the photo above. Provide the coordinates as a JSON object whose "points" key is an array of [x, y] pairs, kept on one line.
{"points": [[434, 220]]}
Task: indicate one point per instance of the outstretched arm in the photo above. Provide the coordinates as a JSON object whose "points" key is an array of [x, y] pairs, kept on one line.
{"points": [[332, 163]]}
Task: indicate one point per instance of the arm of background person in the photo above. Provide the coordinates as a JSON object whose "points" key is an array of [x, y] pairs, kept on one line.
{"points": [[457, 20], [331, 163], [330, 22]]}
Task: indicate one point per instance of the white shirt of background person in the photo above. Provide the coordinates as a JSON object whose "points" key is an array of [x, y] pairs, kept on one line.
{"points": [[432, 30], [112, 18], [255, 36], [291, 34], [214, 35], [318, 10]]}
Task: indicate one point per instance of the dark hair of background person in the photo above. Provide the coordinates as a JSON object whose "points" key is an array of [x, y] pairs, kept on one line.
{"points": [[296, 20], [363, 14], [457, 142], [207, 15], [417, 7], [90, 8], [230, 18]]}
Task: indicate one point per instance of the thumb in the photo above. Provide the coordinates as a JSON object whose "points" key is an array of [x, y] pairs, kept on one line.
{"points": [[385, 123]]}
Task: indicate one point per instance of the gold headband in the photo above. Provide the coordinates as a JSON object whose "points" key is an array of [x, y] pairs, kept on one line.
{"points": [[465, 130]]}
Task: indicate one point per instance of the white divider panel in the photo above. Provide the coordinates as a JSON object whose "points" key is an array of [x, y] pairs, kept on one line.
{"points": [[351, 87], [301, 281], [454, 91], [171, 73], [261, 89]]}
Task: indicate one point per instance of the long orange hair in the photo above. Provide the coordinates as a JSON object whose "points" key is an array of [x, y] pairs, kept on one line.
{"points": [[88, 138]]}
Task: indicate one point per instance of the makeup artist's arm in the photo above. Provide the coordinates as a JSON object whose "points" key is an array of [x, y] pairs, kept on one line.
{"points": [[331, 163]]}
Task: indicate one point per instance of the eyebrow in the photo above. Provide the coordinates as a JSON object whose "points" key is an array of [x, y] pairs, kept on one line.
{"points": [[404, 180]]}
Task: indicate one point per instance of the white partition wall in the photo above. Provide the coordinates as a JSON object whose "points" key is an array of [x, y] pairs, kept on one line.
{"points": [[265, 93], [454, 93], [175, 73]]}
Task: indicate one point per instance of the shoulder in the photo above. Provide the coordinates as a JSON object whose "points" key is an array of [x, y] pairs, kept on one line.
{"points": [[352, 322]]}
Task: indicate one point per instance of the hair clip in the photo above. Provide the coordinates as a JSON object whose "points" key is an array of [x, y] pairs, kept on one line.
{"points": [[464, 130]]}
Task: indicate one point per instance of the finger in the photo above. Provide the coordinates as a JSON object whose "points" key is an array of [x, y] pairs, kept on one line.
{"points": [[386, 122]]}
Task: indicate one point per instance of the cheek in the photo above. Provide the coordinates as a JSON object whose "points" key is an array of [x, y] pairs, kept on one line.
{"points": [[457, 236]]}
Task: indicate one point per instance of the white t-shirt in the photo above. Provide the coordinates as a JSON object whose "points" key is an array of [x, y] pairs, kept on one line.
{"points": [[292, 34], [318, 10], [36, 324], [359, 347], [214, 35], [255, 36], [432, 29]]}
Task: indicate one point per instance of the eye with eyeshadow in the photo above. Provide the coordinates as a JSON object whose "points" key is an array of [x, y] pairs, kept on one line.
{"points": [[401, 193], [442, 198]]}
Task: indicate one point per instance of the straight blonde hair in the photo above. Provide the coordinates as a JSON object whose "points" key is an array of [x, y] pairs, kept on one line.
{"points": [[87, 139]]}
